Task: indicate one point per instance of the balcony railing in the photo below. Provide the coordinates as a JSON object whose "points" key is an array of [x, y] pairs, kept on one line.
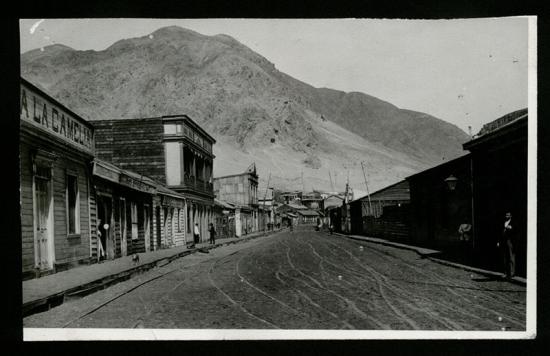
{"points": [[197, 184]]}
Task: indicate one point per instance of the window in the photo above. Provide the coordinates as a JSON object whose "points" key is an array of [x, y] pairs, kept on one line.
{"points": [[172, 129], [173, 160], [134, 220], [72, 205]]}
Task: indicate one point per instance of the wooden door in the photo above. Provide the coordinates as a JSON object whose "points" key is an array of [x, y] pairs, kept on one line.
{"points": [[44, 236]]}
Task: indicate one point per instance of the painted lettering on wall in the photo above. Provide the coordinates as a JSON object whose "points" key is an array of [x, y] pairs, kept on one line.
{"points": [[52, 118]]}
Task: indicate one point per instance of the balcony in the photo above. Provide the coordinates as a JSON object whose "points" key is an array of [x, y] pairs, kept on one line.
{"points": [[191, 183]]}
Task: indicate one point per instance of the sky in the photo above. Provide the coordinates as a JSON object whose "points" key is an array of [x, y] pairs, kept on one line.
{"points": [[465, 71]]}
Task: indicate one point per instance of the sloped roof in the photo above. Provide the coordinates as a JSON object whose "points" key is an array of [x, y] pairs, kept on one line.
{"points": [[224, 204], [308, 212], [296, 206], [502, 121]]}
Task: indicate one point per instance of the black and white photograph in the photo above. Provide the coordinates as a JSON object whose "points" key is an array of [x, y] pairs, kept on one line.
{"points": [[278, 179]]}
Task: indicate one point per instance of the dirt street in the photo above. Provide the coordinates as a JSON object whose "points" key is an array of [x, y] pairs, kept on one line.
{"points": [[299, 280]]}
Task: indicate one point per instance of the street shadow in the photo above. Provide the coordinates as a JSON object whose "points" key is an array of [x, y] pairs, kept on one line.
{"points": [[488, 279], [463, 287]]}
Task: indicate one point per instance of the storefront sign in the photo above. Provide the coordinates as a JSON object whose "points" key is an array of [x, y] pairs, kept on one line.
{"points": [[135, 184], [106, 173], [170, 201], [41, 112]]}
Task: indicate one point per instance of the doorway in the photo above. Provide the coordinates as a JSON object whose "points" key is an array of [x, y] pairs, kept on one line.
{"points": [[123, 239], [44, 249], [104, 215], [159, 227]]}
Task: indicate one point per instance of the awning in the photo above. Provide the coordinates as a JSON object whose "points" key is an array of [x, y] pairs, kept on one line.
{"points": [[123, 177]]}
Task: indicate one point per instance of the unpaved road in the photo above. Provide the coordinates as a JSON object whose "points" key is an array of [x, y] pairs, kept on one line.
{"points": [[299, 280]]}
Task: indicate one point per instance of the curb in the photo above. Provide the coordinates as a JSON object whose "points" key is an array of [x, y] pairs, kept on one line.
{"points": [[515, 280], [56, 299]]}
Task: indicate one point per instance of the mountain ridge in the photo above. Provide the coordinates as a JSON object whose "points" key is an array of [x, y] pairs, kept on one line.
{"points": [[239, 95]]}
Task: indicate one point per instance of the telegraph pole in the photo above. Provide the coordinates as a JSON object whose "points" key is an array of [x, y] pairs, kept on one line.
{"points": [[265, 196], [331, 184], [366, 185]]}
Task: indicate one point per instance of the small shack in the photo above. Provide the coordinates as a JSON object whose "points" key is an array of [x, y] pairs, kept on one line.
{"points": [[385, 213]]}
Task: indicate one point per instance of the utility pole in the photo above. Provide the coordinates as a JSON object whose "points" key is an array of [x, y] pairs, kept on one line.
{"points": [[303, 185], [366, 185], [331, 184], [265, 196]]}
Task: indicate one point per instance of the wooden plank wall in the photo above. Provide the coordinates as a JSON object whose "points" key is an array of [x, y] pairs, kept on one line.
{"points": [[131, 144], [27, 220], [68, 250]]}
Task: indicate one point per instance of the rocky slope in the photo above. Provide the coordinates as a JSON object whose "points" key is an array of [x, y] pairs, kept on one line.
{"points": [[256, 112]]}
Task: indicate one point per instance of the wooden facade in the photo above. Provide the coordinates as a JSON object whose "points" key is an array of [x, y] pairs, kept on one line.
{"points": [[172, 150], [499, 174], [385, 213], [123, 208], [56, 148], [241, 190], [436, 210]]}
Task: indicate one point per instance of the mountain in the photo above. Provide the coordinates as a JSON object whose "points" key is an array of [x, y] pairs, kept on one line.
{"points": [[255, 112]]}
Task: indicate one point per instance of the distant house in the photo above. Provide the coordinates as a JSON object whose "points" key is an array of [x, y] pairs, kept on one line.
{"points": [[313, 201], [307, 216], [288, 197], [384, 213], [224, 221], [333, 211], [241, 190]]}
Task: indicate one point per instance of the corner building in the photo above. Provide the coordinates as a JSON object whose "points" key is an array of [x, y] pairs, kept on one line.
{"points": [[56, 148], [173, 151]]}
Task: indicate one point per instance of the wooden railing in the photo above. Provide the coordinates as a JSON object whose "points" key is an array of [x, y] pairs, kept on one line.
{"points": [[197, 184]]}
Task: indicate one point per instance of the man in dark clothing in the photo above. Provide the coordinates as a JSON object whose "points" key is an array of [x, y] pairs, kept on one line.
{"points": [[212, 234], [506, 245]]}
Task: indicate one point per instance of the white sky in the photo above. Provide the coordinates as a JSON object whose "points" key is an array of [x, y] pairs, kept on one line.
{"points": [[467, 72]]}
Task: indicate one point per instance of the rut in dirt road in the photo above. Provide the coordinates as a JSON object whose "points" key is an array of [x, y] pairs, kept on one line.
{"points": [[300, 280]]}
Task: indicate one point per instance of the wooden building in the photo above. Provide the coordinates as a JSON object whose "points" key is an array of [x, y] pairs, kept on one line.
{"points": [[437, 210], [121, 209], [170, 219], [499, 174], [224, 221], [313, 201], [308, 217], [384, 213], [56, 148], [241, 190], [172, 150]]}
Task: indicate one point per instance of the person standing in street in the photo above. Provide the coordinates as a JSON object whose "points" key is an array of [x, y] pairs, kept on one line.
{"points": [[212, 232], [506, 245], [196, 234]]}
